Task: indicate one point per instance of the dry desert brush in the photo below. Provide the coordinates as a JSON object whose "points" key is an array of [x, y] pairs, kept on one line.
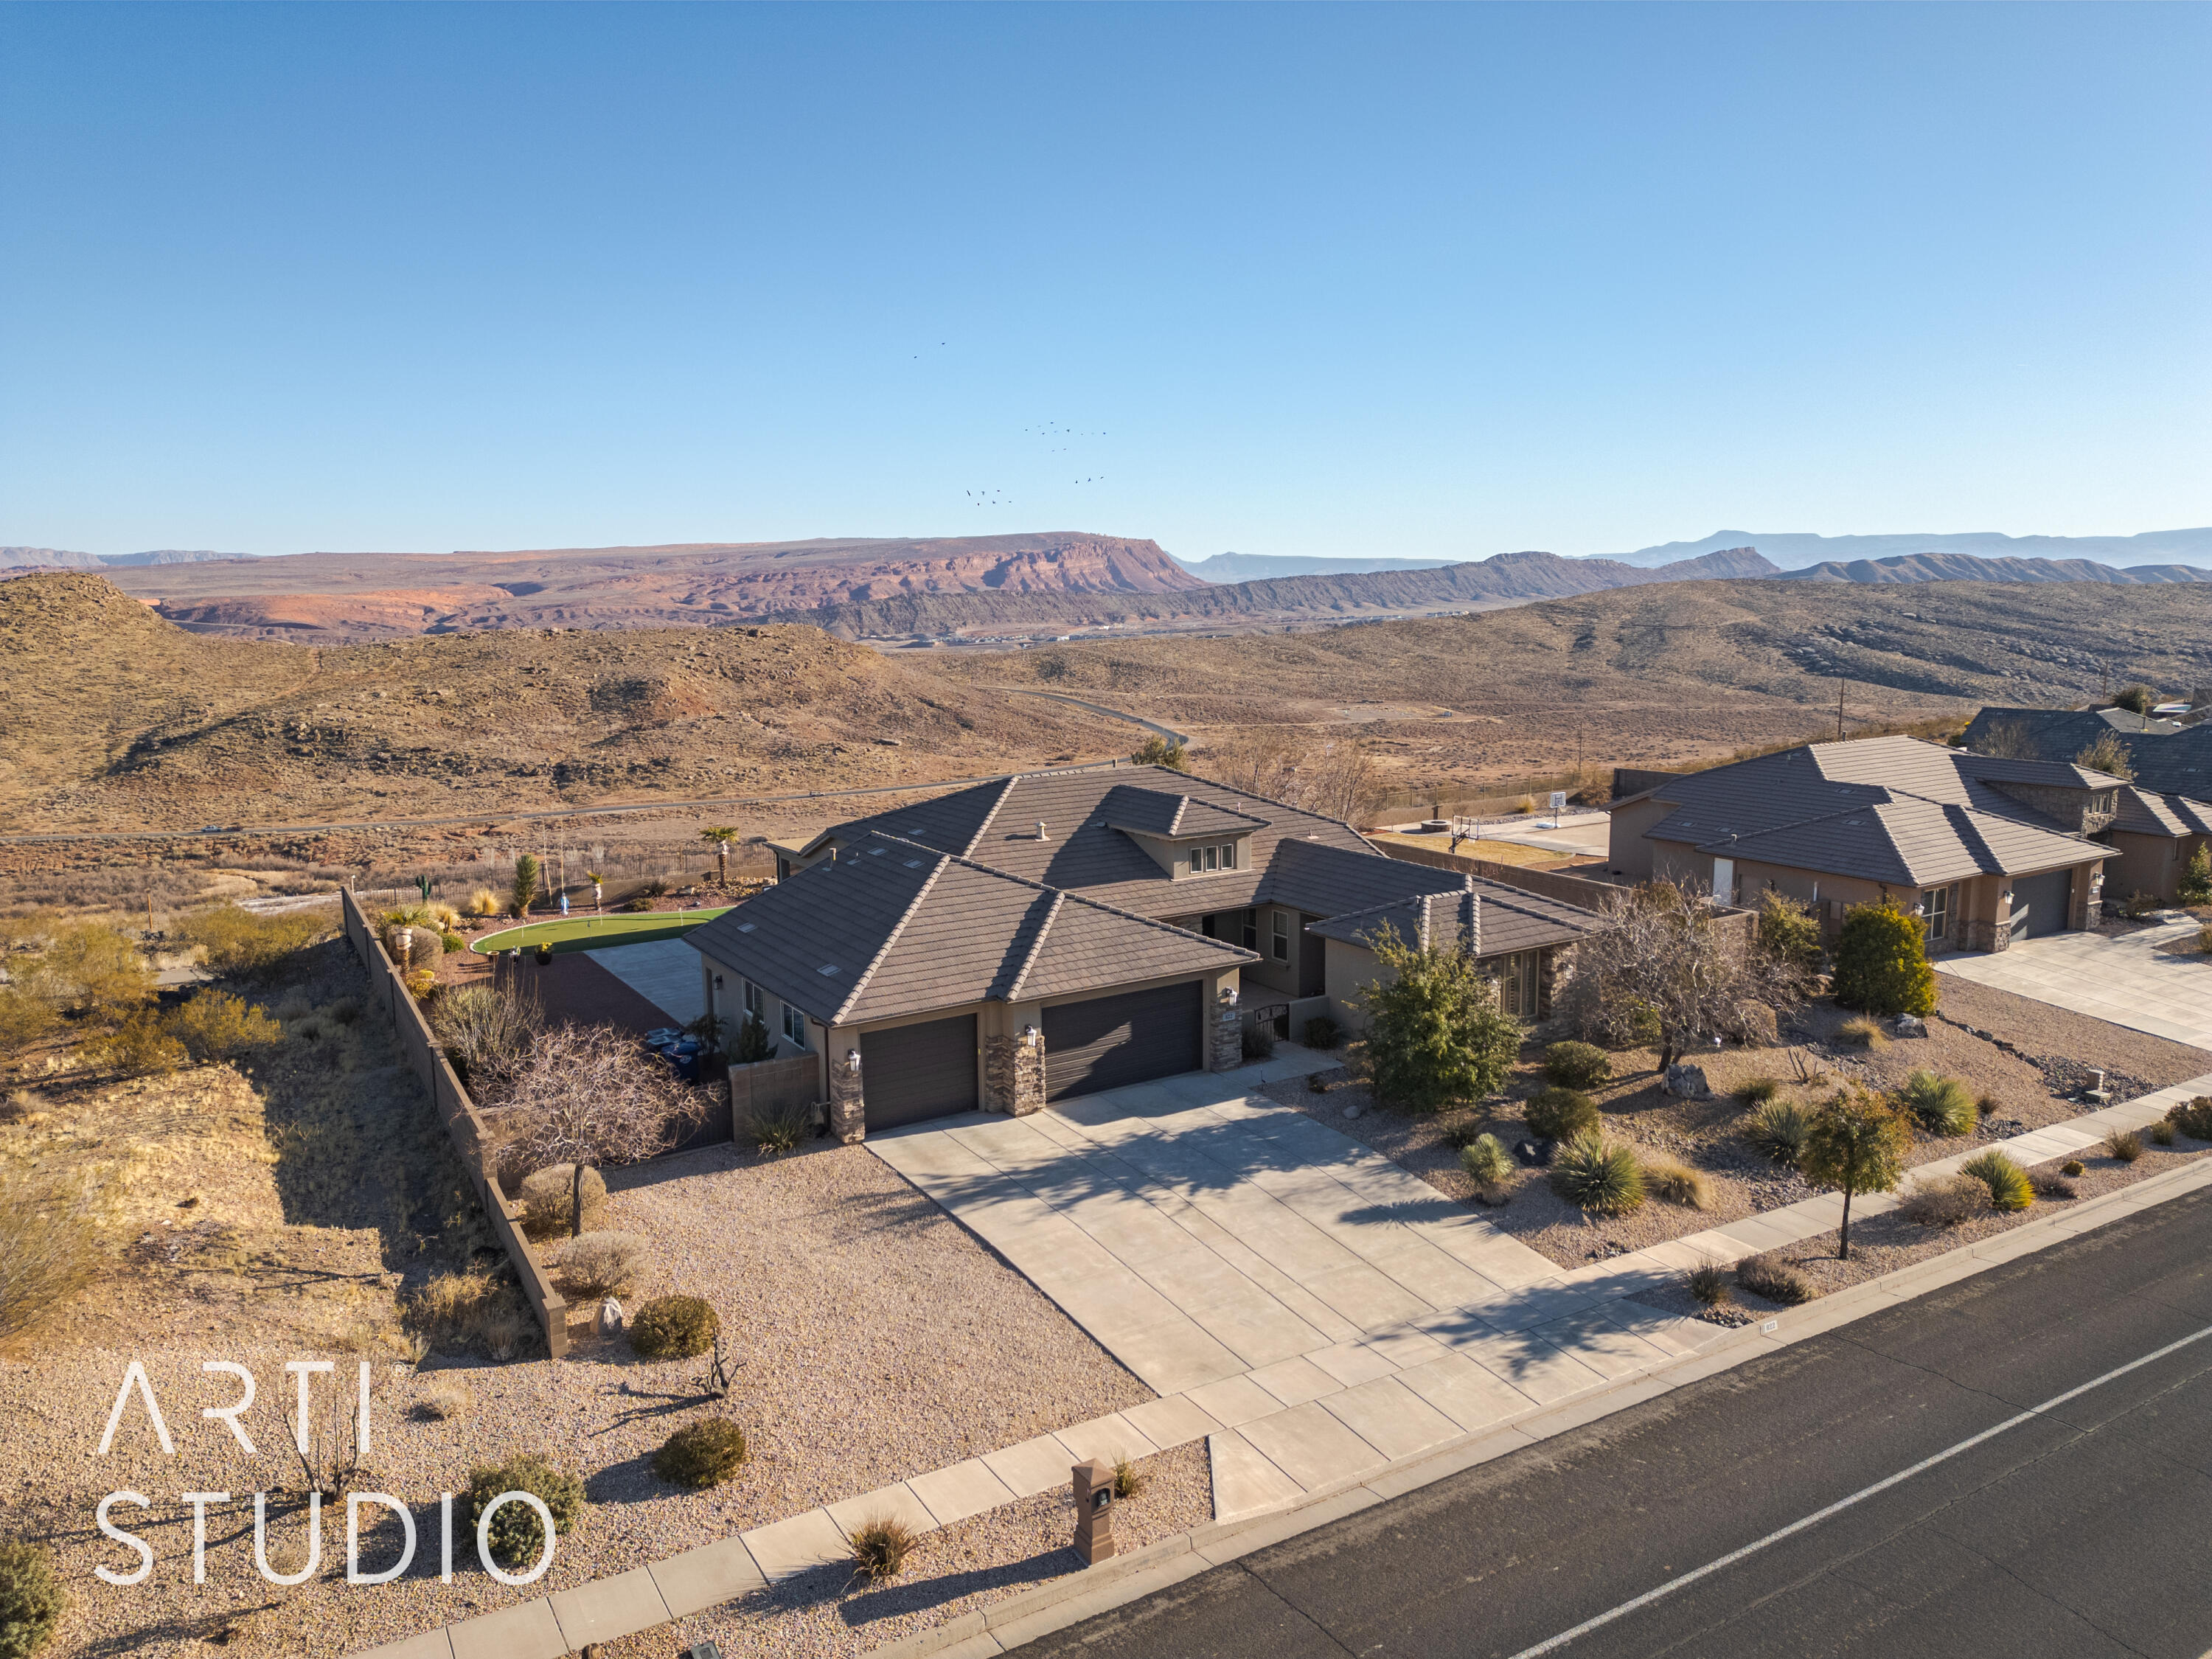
{"points": [[880, 1546], [674, 1328], [1708, 1282], [2123, 1146], [1945, 1201], [49, 1244], [602, 1264], [1766, 1275]]}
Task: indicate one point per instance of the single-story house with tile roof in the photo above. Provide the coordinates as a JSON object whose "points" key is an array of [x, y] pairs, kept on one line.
{"points": [[1987, 850], [1057, 934], [2163, 811]]}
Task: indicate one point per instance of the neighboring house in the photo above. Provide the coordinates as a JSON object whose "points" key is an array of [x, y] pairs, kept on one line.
{"points": [[1988, 851], [2164, 813], [1057, 933]]}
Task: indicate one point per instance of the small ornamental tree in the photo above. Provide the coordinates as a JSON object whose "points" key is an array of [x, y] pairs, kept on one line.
{"points": [[1857, 1144], [527, 877], [1157, 750], [721, 836], [1881, 962], [1436, 1033], [2196, 877]]}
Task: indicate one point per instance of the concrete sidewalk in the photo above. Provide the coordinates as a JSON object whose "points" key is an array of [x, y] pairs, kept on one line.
{"points": [[2126, 981]]}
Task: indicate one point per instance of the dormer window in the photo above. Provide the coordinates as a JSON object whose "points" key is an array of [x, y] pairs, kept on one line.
{"points": [[1209, 859]]}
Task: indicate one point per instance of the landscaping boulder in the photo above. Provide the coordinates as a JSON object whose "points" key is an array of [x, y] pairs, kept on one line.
{"points": [[1686, 1083], [1910, 1025]]}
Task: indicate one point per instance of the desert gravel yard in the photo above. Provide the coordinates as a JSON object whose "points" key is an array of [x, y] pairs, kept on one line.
{"points": [[2032, 1085], [872, 1338]]}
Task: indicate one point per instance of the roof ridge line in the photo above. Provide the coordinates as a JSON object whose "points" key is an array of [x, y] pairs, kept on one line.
{"points": [[1005, 788], [1036, 946], [860, 981]]}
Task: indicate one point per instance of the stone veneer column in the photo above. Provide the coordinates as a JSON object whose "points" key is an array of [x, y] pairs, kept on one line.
{"points": [[848, 1107], [1014, 1075], [1225, 1053]]}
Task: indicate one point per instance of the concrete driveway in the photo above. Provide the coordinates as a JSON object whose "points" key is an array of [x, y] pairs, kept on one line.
{"points": [[2125, 980]]}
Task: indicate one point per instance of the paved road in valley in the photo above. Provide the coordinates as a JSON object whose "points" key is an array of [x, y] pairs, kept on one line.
{"points": [[2076, 1532]]}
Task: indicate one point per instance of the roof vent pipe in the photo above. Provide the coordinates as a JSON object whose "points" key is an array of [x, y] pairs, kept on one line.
{"points": [[1041, 834]]}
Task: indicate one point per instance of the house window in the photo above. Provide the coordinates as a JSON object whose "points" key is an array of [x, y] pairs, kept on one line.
{"points": [[1937, 905], [794, 1024], [1517, 984], [1282, 936], [1209, 858], [754, 1003], [1229, 856], [1251, 935]]}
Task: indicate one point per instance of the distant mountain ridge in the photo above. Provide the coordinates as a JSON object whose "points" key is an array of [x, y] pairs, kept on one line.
{"points": [[1794, 551], [42, 558], [1968, 567], [1259, 566]]}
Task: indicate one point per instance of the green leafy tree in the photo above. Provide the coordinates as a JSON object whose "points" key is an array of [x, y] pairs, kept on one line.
{"points": [[25, 1017], [1157, 750], [2197, 876], [2108, 755], [721, 835], [528, 876], [2137, 699], [1881, 962], [1436, 1034], [1857, 1144]]}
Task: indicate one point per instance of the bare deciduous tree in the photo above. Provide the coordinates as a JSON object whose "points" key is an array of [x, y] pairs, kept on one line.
{"points": [[1331, 776], [584, 1095]]}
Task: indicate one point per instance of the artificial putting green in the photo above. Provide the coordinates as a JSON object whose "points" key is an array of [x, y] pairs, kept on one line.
{"points": [[594, 932]]}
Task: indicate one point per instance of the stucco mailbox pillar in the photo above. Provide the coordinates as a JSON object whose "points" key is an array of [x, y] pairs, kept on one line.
{"points": [[1094, 1511]]}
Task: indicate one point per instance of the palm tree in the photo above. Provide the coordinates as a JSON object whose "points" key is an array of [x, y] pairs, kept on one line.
{"points": [[721, 836]]}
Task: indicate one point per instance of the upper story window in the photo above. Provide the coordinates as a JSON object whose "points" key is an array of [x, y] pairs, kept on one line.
{"points": [[1204, 860], [1282, 940]]}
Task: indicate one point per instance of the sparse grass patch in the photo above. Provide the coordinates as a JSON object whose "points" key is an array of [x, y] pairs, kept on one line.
{"points": [[1863, 1032], [1758, 1089], [1674, 1183], [776, 1129], [444, 1402], [2160, 1134], [1129, 1478], [472, 1311], [2123, 1146], [2008, 1186], [49, 1244], [1708, 1283], [880, 1547], [1767, 1275]]}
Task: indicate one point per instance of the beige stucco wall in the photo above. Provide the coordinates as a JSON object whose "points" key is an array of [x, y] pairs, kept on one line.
{"points": [[1626, 850], [2147, 863], [1354, 968]]}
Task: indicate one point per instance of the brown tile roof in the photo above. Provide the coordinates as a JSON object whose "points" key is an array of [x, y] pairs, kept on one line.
{"points": [[892, 927], [2147, 812], [1493, 919], [1161, 813]]}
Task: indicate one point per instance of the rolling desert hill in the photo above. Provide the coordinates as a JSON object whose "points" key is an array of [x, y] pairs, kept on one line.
{"points": [[1645, 676], [339, 597], [1971, 567], [1258, 567], [117, 719], [1506, 578], [1794, 549]]}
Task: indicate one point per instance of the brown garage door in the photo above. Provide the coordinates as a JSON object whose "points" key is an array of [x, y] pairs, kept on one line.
{"points": [[1136, 1036], [910, 1072]]}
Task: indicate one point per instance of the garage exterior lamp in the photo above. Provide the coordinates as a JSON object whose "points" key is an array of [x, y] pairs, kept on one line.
{"points": [[1229, 996], [1028, 1036], [852, 1060]]}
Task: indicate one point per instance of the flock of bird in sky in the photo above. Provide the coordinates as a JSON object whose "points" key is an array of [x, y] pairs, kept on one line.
{"points": [[1050, 429]]}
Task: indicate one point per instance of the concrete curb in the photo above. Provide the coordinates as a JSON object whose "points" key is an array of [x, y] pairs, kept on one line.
{"points": [[1005, 1626]]}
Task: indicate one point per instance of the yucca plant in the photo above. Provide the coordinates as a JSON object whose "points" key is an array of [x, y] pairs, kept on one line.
{"points": [[1599, 1176], [2009, 1187], [1939, 1105], [1778, 1130], [1485, 1160]]}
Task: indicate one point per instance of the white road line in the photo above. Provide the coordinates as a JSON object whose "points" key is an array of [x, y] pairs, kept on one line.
{"points": [[1556, 1642]]}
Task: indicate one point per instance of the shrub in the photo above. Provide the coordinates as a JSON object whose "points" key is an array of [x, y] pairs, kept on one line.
{"points": [[140, 1047], [2107, 755], [2137, 905], [2137, 699], [2073, 1166], [2009, 1187], [657, 886], [2160, 1134], [421, 983], [1259, 1041], [49, 1243], [1708, 1282], [236, 941], [1863, 1032], [1789, 931], [2204, 939], [1577, 1064], [25, 1018], [1986, 1105], [92, 970], [674, 1328], [753, 1042], [1945, 1202], [1129, 1478], [1322, 1033], [1436, 1032], [549, 1197], [774, 1129], [638, 906], [702, 1453], [483, 902], [603, 1264], [1671, 1183], [1484, 1160], [2050, 1184], [1758, 1089], [518, 1536], [1778, 1130], [1157, 750], [1768, 1276], [1881, 962], [1462, 1134], [31, 1599], [2123, 1146], [1941, 1105], [485, 1030], [1558, 1114], [216, 1026], [444, 1403], [2196, 886], [1598, 1175], [881, 1546], [2193, 1117], [452, 941]]}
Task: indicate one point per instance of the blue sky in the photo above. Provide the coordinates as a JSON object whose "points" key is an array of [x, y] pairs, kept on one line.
{"points": [[1439, 282]]}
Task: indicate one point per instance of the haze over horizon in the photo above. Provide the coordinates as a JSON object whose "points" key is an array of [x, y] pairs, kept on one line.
{"points": [[1428, 284]]}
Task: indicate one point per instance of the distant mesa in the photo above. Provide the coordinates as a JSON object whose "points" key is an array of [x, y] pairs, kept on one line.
{"points": [[49, 558], [1795, 550], [1969, 567]]}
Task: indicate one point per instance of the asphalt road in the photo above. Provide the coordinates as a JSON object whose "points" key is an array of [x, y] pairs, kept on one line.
{"points": [[2077, 1533]]}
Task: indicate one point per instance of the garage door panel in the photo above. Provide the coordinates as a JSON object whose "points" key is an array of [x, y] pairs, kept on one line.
{"points": [[910, 1072], [1106, 1042], [2044, 899]]}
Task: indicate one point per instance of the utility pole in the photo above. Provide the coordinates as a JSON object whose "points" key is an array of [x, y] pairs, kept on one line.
{"points": [[1839, 708]]}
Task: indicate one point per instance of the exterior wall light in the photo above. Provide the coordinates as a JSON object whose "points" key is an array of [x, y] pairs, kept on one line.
{"points": [[1028, 1036], [852, 1060], [1229, 996]]}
